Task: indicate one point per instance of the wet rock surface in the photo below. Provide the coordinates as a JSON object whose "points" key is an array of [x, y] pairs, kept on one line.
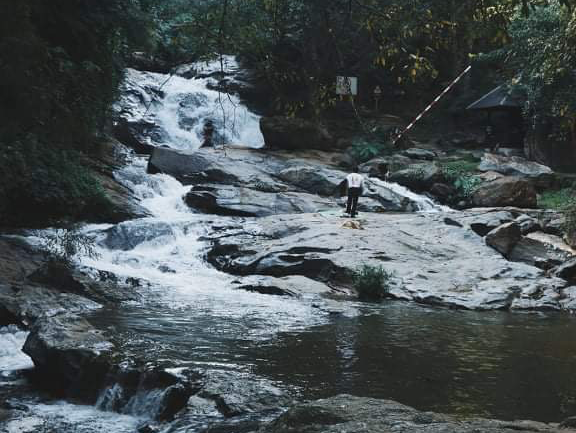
{"points": [[231, 201], [74, 360], [71, 357], [33, 287], [345, 413], [433, 262], [260, 183]]}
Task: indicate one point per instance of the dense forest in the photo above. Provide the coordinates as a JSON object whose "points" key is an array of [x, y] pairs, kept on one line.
{"points": [[61, 63]]}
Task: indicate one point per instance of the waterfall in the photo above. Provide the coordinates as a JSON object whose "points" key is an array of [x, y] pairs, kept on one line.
{"points": [[171, 110]]}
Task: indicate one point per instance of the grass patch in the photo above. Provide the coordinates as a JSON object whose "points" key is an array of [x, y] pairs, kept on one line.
{"points": [[373, 283], [559, 200]]}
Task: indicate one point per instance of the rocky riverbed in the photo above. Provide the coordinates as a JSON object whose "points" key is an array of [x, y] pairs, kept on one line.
{"points": [[345, 413], [232, 248]]}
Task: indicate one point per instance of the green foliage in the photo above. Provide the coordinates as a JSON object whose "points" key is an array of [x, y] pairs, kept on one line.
{"points": [[363, 151], [41, 185], [63, 245], [540, 61], [467, 185], [564, 201], [461, 174], [570, 220], [373, 283], [416, 171], [455, 169], [299, 46], [60, 66], [560, 200]]}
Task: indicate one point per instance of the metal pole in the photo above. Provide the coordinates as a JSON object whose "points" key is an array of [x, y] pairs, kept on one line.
{"points": [[440, 96]]}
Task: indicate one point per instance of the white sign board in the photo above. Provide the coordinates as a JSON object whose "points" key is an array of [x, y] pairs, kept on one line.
{"points": [[347, 86]]}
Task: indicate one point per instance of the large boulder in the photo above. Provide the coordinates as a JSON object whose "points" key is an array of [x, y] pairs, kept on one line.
{"points": [[238, 201], [74, 360], [443, 192], [566, 271], [506, 191], [238, 167], [483, 223], [376, 197], [294, 133], [541, 250], [346, 413], [71, 357], [246, 177], [513, 166], [313, 179], [504, 238], [382, 166], [419, 177], [417, 153]]}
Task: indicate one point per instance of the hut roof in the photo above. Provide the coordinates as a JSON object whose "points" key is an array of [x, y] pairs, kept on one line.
{"points": [[499, 98]]}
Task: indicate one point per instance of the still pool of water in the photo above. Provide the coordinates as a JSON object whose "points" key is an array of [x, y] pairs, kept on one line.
{"points": [[493, 364]]}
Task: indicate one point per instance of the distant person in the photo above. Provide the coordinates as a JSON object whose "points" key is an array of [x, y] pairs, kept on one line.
{"points": [[355, 183], [208, 134]]}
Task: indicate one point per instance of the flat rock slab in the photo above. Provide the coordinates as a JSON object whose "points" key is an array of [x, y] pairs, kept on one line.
{"points": [[245, 182], [433, 261], [239, 201], [345, 413]]}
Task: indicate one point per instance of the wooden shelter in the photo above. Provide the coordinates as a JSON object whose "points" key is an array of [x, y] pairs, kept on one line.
{"points": [[504, 122]]}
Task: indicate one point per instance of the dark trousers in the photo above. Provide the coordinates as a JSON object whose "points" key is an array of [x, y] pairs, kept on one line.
{"points": [[351, 207]]}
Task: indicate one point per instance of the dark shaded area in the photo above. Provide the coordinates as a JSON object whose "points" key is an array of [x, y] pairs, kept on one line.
{"points": [[60, 64]]}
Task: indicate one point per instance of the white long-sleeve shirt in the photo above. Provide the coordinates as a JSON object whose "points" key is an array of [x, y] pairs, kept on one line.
{"points": [[355, 180]]}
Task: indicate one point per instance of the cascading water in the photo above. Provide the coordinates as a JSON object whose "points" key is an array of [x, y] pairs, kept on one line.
{"points": [[172, 110], [11, 356], [424, 203]]}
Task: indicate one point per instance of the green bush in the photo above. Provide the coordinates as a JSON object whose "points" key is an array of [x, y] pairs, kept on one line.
{"points": [[415, 171], [461, 174], [40, 185], [363, 151], [372, 283], [454, 169]]}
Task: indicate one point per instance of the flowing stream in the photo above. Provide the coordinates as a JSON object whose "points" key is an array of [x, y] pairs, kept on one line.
{"points": [[264, 352]]}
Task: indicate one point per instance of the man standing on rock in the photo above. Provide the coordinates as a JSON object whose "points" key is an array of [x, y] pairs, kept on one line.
{"points": [[355, 183]]}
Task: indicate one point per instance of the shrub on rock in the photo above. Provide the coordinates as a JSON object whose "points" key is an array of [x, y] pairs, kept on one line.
{"points": [[372, 283]]}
